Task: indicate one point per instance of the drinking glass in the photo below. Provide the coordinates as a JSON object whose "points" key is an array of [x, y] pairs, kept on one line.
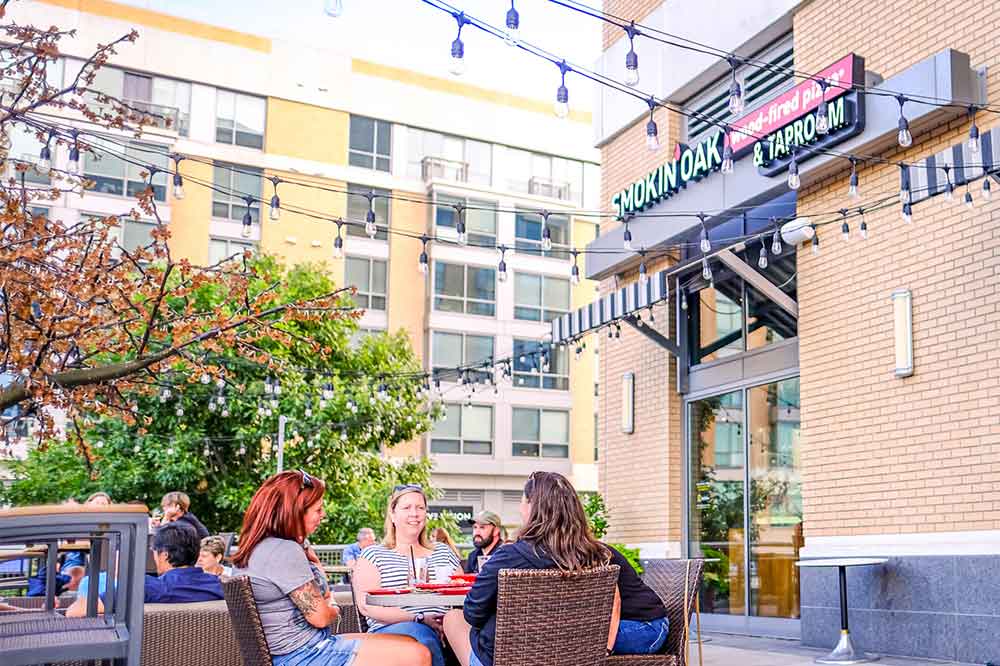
{"points": [[418, 571], [442, 573]]}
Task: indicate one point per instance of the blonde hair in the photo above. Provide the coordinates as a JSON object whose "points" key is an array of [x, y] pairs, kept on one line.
{"points": [[390, 528], [215, 545], [441, 536], [178, 498]]}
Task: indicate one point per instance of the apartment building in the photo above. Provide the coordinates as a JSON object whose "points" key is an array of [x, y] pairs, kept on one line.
{"points": [[264, 106]]}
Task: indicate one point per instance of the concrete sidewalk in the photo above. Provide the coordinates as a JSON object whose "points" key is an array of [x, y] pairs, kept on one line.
{"points": [[729, 650]]}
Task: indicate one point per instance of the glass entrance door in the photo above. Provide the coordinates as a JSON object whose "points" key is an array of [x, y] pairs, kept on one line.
{"points": [[745, 502]]}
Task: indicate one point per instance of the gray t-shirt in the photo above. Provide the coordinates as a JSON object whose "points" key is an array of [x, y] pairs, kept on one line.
{"points": [[277, 567]]}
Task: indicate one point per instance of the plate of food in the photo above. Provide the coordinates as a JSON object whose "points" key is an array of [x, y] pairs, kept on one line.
{"points": [[467, 578]]}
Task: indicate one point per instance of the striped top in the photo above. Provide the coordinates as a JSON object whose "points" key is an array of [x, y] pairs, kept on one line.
{"points": [[394, 571]]}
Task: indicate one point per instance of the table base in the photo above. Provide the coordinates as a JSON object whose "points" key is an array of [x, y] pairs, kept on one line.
{"points": [[845, 653]]}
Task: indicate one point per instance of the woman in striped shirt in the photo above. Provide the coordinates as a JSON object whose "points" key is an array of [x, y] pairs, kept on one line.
{"points": [[387, 565]]}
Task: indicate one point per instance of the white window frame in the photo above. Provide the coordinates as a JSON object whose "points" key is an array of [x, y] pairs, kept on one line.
{"points": [[535, 373], [368, 295], [463, 410], [373, 154], [235, 119], [358, 193], [465, 299], [540, 443], [235, 199], [476, 238], [231, 245], [542, 309]]}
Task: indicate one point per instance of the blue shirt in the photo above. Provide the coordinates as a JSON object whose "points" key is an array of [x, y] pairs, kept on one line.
{"points": [[177, 586], [352, 553]]}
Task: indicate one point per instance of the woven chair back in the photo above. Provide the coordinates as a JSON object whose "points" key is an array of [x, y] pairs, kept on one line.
{"points": [[668, 579], [247, 627], [554, 618]]}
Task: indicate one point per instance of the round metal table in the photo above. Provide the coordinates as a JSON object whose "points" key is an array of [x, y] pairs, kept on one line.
{"points": [[844, 652], [416, 599]]}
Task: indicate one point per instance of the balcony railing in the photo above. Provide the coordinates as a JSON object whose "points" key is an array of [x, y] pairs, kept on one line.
{"points": [[546, 187], [164, 117], [438, 167]]}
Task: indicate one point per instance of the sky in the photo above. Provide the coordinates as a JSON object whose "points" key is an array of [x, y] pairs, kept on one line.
{"points": [[415, 35]]}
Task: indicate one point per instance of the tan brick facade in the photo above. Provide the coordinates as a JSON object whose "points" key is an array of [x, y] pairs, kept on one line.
{"points": [[635, 10], [924, 450]]}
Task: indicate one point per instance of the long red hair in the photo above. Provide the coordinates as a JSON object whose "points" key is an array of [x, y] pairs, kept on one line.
{"points": [[278, 509]]}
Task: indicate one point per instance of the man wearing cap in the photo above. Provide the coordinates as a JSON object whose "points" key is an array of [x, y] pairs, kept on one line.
{"points": [[486, 537]]}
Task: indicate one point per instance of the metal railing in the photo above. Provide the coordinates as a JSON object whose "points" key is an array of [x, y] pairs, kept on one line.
{"points": [[439, 167]]}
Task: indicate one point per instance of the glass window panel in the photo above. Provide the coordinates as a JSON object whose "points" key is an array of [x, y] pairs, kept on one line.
{"points": [[541, 166], [445, 214], [216, 251], [384, 138], [446, 446], [136, 234], [448, 305], [479, 156], [525, 424], [481, 218], [225, 106], [517, 167], [477, 423], [362, 160], [527, 289], [109, 81], [451, 425], [250, 114], [138, 87], [449, 279], [555, 427], [480, 308], [718, 321], [555, 451], [525, 449], [482, 283], [356, 273], [362, 134], [478, 448], [556, 294], [478, 348], [447, 350], [379, 269]]}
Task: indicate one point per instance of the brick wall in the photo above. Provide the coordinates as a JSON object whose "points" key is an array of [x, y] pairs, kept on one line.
{"points": [[880, 454], [634, 10]]}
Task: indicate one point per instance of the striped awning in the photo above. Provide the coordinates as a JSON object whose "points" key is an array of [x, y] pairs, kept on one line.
{"points": [[611, 307]]}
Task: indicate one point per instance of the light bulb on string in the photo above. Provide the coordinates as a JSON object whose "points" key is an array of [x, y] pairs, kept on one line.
{"points": [[513, 23], [247, 230], [727, 155], [627, 239], [776, 240], [44, 164], [338, 242], [574, 271], [904, 184], [546, 232], [736, 103], [643, 276], [845, 228], [561, 106], [652, 131], [969, 203], [904, 137], [822, 119], [178, 190], [502, 266], [457, 66], [762, 257], [815, 242], [73, 166], [333, 8], [852, 190], [863, 227], [275, 213], [987, 189], [907, 213], [974, 143], [705, 244], [684, 300], [631, 58], [424, 262], [706, 270], [949, 187], [794, 181], [371, 229]]}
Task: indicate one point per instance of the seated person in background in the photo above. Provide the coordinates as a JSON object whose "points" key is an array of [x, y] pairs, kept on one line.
{"points": [[486, 537], [37, 583], [441, 536], [75, 562], [213, 550], [175, 549], [176, 507], [366, 537]]}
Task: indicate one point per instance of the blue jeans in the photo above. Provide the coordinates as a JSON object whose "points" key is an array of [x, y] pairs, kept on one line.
{"points": [[473, 659], [421, 633], [635, 637], [323, 650]]}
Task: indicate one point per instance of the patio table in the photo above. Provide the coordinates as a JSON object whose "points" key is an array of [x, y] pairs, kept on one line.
{"points": [[416, 599], [844, 652]]}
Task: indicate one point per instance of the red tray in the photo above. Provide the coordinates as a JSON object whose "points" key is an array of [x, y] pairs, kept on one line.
{"points": [[467, 577], [405, 590], [438, 586], [455, 591]]}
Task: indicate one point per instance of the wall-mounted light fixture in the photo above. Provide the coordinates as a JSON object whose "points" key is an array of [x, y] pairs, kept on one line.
{"points": [[902, 315]]}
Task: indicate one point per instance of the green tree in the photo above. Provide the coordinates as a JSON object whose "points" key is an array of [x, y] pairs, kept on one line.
{"points": [[215, 437]]}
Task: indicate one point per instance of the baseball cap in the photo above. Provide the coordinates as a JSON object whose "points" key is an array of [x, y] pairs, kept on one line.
{"points": [[487, 518]]}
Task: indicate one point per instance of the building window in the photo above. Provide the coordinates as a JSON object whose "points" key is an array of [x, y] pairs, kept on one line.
{"points": [[123, 177], [24, 149], [464, 429], [539, 297], [467, 289], [226, 248], [357, 210], [531, 372], [544, 175], [432, 155], [359, 336], [541, 433], [369, 276], [728, 445], [480, 218], [166, 102], [529, 226], [371, 143], [235, 183], [240, 119], [454, 350]]}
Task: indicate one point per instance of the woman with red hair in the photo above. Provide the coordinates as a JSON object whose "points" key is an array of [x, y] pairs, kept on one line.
{"points": [[295, 604]]}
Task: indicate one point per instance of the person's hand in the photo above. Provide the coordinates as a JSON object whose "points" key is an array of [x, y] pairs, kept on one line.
{"points": [[436, 622]]}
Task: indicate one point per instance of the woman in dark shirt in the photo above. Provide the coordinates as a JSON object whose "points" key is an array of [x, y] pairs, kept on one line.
{"points": [[643, 626], [555, 536]]}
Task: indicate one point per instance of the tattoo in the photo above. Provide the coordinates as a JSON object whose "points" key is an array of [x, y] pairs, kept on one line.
{"points": [[306, 598]]}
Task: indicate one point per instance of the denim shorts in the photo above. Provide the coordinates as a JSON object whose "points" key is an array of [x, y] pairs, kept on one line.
{"points": [[323, 650], [636, 637]]}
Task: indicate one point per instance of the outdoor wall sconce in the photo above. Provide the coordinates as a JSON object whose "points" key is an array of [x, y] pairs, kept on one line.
{"points": [[628, 403], [902, 311]]}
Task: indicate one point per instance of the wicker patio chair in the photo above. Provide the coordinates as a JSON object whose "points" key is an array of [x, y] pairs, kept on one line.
{"points": [[357, 621], [554, 618], [677, 583], [203, 629]]}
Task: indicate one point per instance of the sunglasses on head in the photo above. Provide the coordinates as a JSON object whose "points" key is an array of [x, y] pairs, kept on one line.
{"points": [[408, 486], [307, 481]]}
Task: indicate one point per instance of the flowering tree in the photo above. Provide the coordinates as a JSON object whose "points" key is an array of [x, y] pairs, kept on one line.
{"points": [[85, 322]]}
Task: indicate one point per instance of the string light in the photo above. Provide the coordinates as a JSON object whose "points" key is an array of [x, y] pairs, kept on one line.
{"points": [[643, 277], [969, 203], [845, 228], [727, 155], [736, 103], [974, 142], [631, 58], [74, 154], [762, 257], [424, 263], [338, 242], [370, 227], [776, 239], [178, 180], [463, 235], [815, 241], [247, 219], [907, 213], [704, 244], [706, 270], [852, 190], [275, 213], [627, 238], [904, 184], [987, 189], [822, 120], [561, 106], [684, 300], [334, 8], [502, 266], [904, 137], [574, 271], [652, 132], [863, 227], [45, 155], [513, 23], [794, 181], [949, 187], [457, 66], [546, 232]]}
